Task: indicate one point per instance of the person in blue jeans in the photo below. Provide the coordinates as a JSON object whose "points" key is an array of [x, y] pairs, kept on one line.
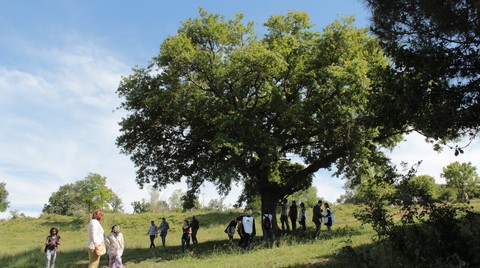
{"points": [[51, 247], [164, 226]]}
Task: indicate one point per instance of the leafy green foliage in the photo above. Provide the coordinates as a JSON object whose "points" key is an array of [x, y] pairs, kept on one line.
{"points": [[3, 197], [463, 178], [216, 204], [418, 189], [428, 234], [175, 200], [83, 197], [221, 104], [141, 206], [308, 196], [434, 46]]}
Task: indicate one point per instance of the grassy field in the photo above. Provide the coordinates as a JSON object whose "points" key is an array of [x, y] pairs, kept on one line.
{"points": [[23, 242]]}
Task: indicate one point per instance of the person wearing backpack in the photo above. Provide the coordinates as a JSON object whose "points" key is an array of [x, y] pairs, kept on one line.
{"points": [[267, 226]]}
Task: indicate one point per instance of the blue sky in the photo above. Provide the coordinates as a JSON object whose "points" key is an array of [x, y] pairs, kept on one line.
{"points": [[60, 65]]}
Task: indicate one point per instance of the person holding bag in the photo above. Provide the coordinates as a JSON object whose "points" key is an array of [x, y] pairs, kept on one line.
{"points": [[95, 243]]}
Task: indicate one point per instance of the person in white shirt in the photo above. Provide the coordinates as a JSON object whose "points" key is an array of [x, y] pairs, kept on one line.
{"points": [[115, 248], [248, 232], [95, 239]]}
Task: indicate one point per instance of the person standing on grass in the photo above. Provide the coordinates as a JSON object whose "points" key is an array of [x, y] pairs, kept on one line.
{"points": [[267, 226], [51, 247], [284, 216], [95, 239], [292, 213], [186, 233], [248, 223], [230, 231], [115, 248], [153, 232], [195, 225], [164, 230], [328, 218], [317, 218], [302, 216], [240, 231]]}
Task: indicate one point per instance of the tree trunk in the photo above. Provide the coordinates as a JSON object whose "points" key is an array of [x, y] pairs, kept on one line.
{"points": [[269, 203]]}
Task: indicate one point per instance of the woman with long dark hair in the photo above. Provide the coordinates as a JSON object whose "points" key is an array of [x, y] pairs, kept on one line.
{"points": [[51, 247]]}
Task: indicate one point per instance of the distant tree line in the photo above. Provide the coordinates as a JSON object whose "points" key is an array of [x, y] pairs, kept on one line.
{"points": [[462, 182]]}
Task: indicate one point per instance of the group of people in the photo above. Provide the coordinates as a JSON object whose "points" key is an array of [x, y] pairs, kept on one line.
{"points": [[244, 225], [189, 231], [154, 229], [301, 216], [96, 243]]}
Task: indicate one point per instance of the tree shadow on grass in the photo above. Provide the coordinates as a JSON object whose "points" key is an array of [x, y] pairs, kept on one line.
{"points": [[132, 256], [348, 257], [36, 258]]}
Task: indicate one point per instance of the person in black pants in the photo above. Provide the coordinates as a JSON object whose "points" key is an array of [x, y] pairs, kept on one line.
{"points": [[195, 225], [153, 232], [293, 213]]}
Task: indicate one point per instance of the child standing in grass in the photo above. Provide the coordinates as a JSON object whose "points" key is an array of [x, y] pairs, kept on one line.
{"points": [[51, 247], [115, 248]]}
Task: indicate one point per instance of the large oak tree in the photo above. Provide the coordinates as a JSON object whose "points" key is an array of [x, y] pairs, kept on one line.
{"points": [[224, 105]]}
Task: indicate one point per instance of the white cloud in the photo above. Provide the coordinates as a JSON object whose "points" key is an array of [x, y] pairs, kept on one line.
{"points": [[415, 149]]}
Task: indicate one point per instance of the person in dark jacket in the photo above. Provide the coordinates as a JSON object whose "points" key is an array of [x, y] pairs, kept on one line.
{"points": [[292, 213], [317, 218], [195, 225]]}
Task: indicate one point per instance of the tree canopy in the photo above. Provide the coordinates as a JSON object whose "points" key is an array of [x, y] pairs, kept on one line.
{"points": [[463, 179], [83, 196], [3, 197], [435, 47], [224, 105]]}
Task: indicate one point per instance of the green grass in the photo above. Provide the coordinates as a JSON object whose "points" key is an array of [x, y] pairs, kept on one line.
{"points": [[23, 242]]}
